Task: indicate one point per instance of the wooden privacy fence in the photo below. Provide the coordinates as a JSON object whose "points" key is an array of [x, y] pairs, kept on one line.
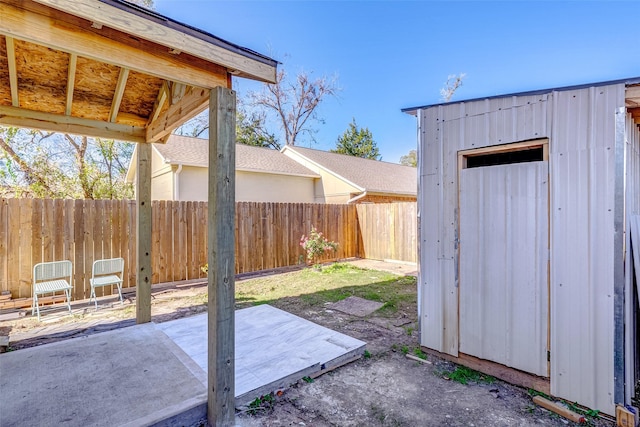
{"points": [[267, 236], [388, 231]]}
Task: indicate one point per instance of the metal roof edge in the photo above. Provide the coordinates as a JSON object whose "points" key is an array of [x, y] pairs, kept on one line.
{"points": [[627, 81], [190, 30]]}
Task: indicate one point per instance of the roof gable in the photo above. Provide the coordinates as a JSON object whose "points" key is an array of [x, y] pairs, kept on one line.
{"points": [[373, 176]]}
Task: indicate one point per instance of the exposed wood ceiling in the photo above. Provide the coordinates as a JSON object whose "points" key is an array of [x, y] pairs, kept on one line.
{"points": [[633, 102], [106, 68]]}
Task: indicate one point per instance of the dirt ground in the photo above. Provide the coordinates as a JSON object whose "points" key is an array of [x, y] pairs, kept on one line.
{"points": [[385, 389]]}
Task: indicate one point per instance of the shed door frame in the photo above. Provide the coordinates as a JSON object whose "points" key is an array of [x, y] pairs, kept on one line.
{"points": [[463, 163]]}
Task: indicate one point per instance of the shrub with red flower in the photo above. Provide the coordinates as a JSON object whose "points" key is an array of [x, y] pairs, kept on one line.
{"points": [[316, 245]]}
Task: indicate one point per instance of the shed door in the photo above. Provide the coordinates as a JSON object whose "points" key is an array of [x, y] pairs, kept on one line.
{"points": [[503, 264]]}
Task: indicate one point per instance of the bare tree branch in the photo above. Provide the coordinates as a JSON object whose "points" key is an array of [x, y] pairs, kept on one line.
{"points": [[451, 85], [295, 103]]}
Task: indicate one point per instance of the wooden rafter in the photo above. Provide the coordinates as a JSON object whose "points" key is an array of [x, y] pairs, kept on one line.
{"points": [[163, 95], [117, 96], [71, 79], [191, 104], [13, 73], [14, 116], [46, 31]]}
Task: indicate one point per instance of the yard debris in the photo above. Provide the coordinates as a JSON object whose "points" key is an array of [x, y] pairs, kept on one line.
{"points": [[559, 409], [417, 359]]}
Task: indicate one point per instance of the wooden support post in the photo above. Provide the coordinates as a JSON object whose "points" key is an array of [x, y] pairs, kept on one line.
{"points": [[143, 234], [221, 257]]}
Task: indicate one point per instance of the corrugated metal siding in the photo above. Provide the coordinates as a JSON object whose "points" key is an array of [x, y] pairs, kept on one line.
{"points": [[580, 125], [444, 130], [503, 271], [632, 205], [582, 173]]}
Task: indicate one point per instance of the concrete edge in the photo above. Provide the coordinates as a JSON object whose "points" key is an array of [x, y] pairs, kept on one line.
{"points": [[183, 357], [186, 413], [245, 399]]}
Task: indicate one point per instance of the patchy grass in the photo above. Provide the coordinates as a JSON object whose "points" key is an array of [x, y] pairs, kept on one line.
{"points": [[313, 288], [464, 375]]}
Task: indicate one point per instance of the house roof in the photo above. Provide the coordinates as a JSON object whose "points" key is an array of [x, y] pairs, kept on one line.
{"points": [[189, 151], [373, 176]]}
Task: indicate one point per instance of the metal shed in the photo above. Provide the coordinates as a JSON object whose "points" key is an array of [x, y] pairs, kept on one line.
{"points": [[525, 204]]}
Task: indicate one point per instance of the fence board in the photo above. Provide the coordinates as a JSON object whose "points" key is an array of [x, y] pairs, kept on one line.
{"points": [[58, 233], [267, 236], [26, 262], [68, 237], [48, 230], [36, 229]]}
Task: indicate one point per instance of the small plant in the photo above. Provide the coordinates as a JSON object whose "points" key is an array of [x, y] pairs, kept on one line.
{"points": [[316, 245], [367, 355], [534, 393], [405, 350], [261, 403], [464, 375], [409, 330], [307, 379], [419, 353]]}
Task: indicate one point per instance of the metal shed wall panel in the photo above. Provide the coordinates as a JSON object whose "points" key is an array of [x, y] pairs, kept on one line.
{"points": [[444, 130], [632, 206], [580, 125], [582, 174], [504, 251]]}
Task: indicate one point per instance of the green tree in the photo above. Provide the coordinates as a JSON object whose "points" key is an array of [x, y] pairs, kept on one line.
{"points": [[410, 159], [49, 165], [251, 128], [357, 142]]}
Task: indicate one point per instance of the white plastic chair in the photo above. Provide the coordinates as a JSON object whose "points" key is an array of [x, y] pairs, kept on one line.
{"points": [[106, 272], [49, 278]]}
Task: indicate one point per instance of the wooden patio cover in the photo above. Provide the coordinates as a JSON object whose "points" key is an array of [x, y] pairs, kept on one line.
{"points": [[111, 69]]}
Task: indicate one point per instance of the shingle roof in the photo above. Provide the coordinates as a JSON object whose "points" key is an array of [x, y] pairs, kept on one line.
{"points": [[191, 151], [370, 175]]}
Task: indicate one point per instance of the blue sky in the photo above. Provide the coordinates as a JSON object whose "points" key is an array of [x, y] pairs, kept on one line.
{"points": [[390, 55]]}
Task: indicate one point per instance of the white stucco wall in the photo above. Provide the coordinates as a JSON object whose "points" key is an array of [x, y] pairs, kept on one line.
{"points": [[250, 186], [328, 189]]}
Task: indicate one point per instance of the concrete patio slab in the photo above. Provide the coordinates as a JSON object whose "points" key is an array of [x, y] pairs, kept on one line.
{"points": [[120, 377], [273, 348], [155, 374]]}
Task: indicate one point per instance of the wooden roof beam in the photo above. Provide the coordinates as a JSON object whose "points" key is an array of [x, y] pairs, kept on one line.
{"points": [[13, 73], [68, 37], [14, 116], [71, 81], [178, 41], [190, 105], [117, 96]]}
